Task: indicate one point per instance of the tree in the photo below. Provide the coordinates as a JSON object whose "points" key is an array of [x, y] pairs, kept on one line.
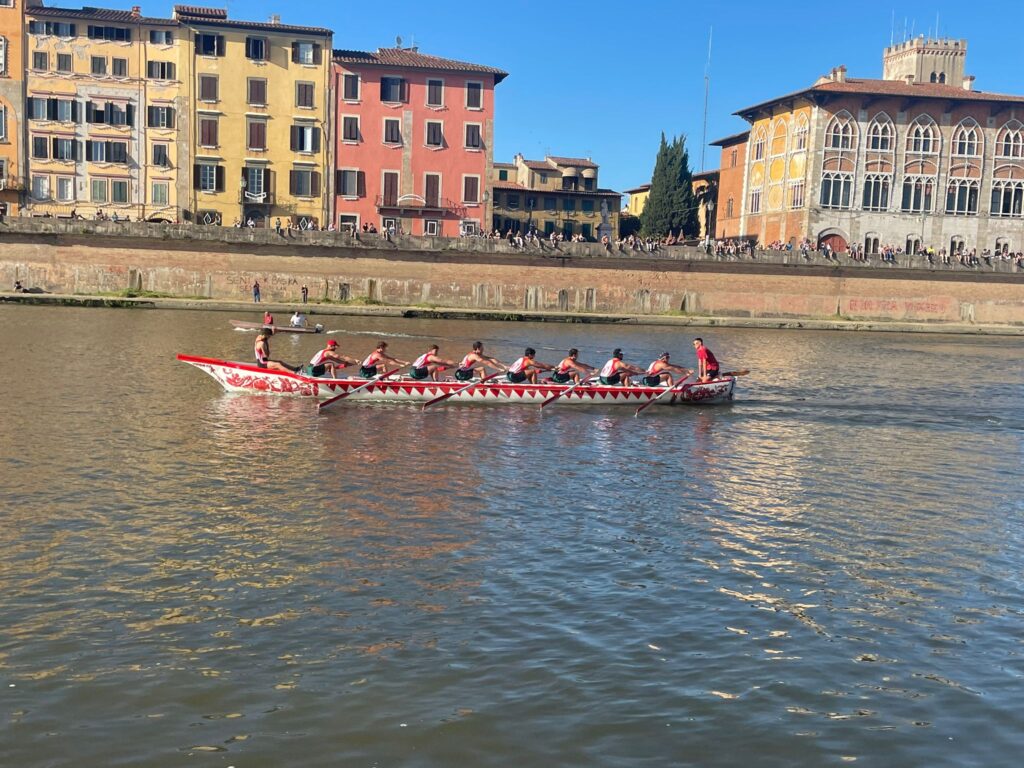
{"points": [[671, 208]]}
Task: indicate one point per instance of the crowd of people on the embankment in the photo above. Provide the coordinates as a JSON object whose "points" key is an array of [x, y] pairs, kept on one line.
{"points": [[476, 365]]}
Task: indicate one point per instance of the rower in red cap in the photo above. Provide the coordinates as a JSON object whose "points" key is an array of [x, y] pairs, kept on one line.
{"points": [[329, 359]]}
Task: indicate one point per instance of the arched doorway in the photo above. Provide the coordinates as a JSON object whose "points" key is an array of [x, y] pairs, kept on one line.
{"points": [[835, 239], [259, 218]]}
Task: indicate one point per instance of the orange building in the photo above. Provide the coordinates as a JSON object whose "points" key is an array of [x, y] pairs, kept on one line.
{"points": [[12, 104]]}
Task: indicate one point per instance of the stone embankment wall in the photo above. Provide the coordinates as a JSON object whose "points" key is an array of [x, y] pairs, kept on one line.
{"points": [[93, 257]]}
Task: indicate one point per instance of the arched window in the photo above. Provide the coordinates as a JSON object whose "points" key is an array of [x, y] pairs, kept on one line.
{"points": [[1007, 198], [881, 134], [1010, 141], [876, 191], [942, 78], [800, 134], [935, 77], [836, 190], [758, 144], [871, 244], [923, 136], [962, 197], [956, 245], [841, 132], [918, 194], [1002, 246], [3, 55], [965, 139], [780, 136], [729, 208]]}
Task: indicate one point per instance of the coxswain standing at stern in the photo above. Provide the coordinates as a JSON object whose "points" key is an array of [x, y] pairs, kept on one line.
{"points": [[707, 365], [262, 351], [526, 368], [476, 364], [429, 364], [616, 373], [570, 369], [658, 372], [368, 369]]}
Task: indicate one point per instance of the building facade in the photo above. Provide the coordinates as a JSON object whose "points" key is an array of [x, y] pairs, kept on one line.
{"points": [[12, 105], [705, 191], [637, 199], [731, 179], [258, 123], [556, 194], [103, 99], [917, 159], [413, 142]]}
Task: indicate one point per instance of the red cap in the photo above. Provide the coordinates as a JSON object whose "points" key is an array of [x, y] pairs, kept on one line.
{"points": [[332, 343]]}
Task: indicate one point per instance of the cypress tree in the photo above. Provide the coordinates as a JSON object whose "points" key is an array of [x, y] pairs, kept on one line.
{"points": [[671, 207]]}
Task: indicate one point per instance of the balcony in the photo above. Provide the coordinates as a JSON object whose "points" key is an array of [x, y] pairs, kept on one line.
{"points": [[246, 197], [416, 204]]}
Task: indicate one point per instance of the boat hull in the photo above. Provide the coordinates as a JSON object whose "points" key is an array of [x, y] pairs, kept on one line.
{"points": [[250, 379], [277, 328]]}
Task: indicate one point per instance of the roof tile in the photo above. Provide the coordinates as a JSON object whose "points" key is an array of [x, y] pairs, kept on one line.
{"points": [[410, 57]]}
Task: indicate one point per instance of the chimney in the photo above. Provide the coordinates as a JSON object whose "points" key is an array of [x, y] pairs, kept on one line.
{"points": [[969, 82], [275, 18], [841, 74], [136, 11], [832, 74]]}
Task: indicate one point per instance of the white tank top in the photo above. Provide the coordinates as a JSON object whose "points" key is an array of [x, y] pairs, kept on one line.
{"points": [[318, 358], [518, 365], [466, 362], [421, 361], [609, 367], [651, 368]]}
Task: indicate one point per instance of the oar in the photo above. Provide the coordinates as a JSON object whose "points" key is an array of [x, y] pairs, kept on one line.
{"points": [[343, 395], [677, 387], [460, 389], [550, 400]]}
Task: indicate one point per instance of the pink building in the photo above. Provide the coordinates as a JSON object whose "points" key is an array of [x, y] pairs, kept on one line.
{"points": [[413, 141]]}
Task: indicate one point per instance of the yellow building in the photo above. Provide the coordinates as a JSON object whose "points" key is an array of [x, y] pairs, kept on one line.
{"points": [[104, 102], [12, 101], [259, 125], [554, 194], [705, 188], [637, 200]]}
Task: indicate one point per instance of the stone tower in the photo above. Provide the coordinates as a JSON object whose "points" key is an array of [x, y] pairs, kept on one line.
{"points": [[923, 60]]}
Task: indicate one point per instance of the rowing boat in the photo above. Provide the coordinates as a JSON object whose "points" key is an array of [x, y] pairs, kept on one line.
{"points": [[250, 379], [277, 328]]}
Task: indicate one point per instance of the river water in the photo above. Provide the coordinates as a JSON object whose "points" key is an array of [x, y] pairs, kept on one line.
{"points": [[827, 571]]}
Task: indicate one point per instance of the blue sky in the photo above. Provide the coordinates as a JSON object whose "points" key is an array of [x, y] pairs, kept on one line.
{"points": [[604, 79]]}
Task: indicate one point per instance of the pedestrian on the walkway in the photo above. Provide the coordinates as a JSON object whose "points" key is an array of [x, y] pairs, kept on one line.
{"points": [[305, 294], [256, 291]]}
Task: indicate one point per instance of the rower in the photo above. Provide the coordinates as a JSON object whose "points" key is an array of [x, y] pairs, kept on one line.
{"points": [[616, 373], [526, 368], [329, 360], [658, 372], [368, 369], [476, 364], [268, 319], [298, 320], [262, 351], [570, 369], [707, 364], [429, 364]]}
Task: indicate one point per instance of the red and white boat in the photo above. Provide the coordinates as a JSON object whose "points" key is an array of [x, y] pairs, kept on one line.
{"points": [[250, 379], [246, 326]]}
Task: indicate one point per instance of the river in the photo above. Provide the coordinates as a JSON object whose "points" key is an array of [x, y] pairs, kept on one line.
{"points": [[826, 571]]}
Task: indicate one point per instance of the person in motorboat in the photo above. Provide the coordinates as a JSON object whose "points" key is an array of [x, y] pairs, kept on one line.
{"points": [[329, 360], [570, 369], [262, 350], [526, 368], [298, 320], [428, 365], [616, 373], [660, 372], [268, 319], [475, 364], [373, 361]]}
